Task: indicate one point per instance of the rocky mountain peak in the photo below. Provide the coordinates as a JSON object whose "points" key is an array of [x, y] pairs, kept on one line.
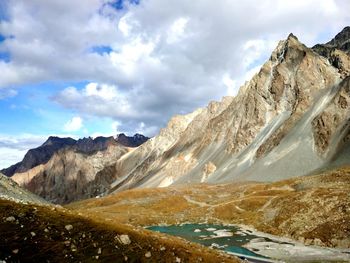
{"points": [[337, 51], [90, 145], [131, 141], [291, 35], [248, 137], [55, 140], [54, 144], [341, 40]]}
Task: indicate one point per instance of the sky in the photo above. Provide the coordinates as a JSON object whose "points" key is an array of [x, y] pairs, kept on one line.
{"points": [[100, 67]]}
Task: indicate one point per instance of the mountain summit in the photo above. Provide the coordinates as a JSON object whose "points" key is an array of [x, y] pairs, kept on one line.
{"points": [[63, 169], [290, 119]]}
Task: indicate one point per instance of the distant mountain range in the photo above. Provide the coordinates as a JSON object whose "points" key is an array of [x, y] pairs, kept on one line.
{"points": [[43, 153]]}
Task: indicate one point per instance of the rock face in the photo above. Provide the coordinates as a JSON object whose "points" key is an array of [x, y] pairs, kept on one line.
{"points": [[341, 41], [64, 170], [9, 190], [39, 155], [70, 175], [43, 153], [337, 51], [131, 141], [290, 119]]}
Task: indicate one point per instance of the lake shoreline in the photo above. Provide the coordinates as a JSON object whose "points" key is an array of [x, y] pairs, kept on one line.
{"points": [[274, 248]]}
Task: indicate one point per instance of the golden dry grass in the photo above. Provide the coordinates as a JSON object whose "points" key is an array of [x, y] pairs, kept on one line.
{"points": [[39, 234], [298, 208]]}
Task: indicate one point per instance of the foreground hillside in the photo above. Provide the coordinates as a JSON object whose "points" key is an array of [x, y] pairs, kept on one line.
{"points": [[32, 233], [312, 209], [10, 190]]}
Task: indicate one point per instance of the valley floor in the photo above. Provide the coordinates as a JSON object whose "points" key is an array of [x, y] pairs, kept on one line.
{"points": [[313, 210]]}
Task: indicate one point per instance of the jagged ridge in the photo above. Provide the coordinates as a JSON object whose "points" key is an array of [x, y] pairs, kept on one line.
{"points": [[269, 131], [53, 144]]}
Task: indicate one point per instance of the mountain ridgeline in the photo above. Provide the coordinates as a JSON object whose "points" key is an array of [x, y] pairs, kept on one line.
{"points": [[291, 119], [63, 169], [43, 153]]}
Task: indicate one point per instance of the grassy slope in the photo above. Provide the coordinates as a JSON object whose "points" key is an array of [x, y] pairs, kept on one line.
{"points": [[39, 234], [312, 209]]}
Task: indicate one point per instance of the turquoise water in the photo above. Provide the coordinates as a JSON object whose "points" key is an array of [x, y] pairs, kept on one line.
{"points": [[226, 238]]}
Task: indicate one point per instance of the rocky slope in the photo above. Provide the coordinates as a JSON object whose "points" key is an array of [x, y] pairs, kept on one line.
{"points": [[40, 155], [131, 141], [71, 172], [70, 175], [9, 190], [44, 153], [32, 233], [337, 51], [290, 119]]}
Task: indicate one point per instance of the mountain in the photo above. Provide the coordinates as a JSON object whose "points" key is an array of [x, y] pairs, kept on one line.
{"points": [[341, 41], [63, 170], [70, 175], [9, 190], [290, 119], [131, 141], [39, 155], [44, 153], [337, 51]]}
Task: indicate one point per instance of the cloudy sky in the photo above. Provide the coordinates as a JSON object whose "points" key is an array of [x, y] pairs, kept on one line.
{"points": [[100, 67]]}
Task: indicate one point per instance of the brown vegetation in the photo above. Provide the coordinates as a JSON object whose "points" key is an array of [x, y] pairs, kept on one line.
{"points": [[313, 209], [31, 233]]}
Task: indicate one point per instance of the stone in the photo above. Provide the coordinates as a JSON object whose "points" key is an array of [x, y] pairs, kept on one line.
{"points": [[10, 219], [68, 227], [124, 239], [148, 254]]}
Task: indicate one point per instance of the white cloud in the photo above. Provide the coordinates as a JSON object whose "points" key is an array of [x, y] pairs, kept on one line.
{"points": [[230, 84], [10, 156], [176, 31], [95, 99], [115, 127], [75, 124], [14, 147], [166, 57], [104, 92]]}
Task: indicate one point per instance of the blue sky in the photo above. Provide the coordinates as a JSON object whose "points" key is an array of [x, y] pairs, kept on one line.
{"points": [[100, 67]]}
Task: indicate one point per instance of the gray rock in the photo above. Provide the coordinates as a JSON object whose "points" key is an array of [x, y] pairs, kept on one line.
{"points": [[68, 227]]}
